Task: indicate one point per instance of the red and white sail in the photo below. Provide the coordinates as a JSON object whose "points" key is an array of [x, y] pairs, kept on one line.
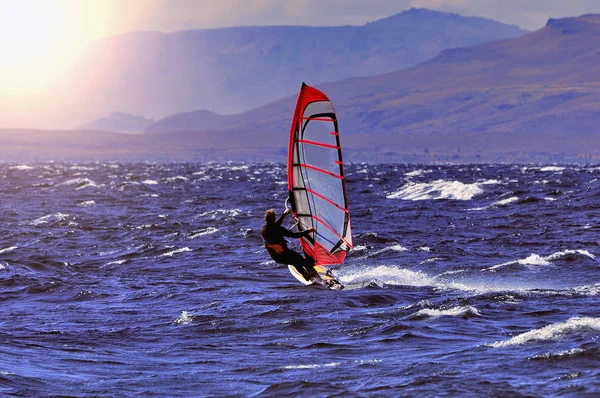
{"points": [[316, 178]]}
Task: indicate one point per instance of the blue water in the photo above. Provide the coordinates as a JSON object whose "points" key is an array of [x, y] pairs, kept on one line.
{"points": [[150, 279]]}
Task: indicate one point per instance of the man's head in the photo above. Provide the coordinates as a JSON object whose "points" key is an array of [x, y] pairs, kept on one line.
{"points": [[270, 216]]}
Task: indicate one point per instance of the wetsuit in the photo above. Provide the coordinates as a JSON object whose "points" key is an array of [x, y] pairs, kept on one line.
{"points": [[274, 237]]}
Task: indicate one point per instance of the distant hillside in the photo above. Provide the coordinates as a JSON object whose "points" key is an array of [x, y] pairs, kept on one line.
{"points": [[120, 122], [235, 69], [536, 95]]}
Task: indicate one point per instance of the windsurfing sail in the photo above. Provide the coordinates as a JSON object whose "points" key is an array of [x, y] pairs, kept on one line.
{"points": [[316, 178]]}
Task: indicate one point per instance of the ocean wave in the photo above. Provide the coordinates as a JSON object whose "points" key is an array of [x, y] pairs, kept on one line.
{"points": [[176, 178], [80, 182], [453, 311], [203, 232], [504, 202], [386, 275], [7, 249], [183, 319], [177, 251], [574, 352], [551, 332], [537, 260], [21, 167], [313, 366], [50, 217], [439, 189]]}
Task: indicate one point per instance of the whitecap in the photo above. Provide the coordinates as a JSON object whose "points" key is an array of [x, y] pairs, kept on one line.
{"points": [[173, 252], [22, 167], [203, 232], [116, 262], [383, 274], [177, 178], [221, 212], [551, 332], [8, 249], [81, 182], [454, 311], [150, 182], [314, 366], [560, 354], [536, 259], [552, 168], [47, 218], [416, 173], [439, 189], [87, 203], [396, 248], [504, 202], [183, 319]]}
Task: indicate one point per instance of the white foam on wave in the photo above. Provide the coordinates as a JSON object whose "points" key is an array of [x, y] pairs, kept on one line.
{"points": [[439, 189], [177, 178], [560, 354], [87, 203], [385, 275], [213, 214], [453, 311], [183, 319], [50, 217], [587, 290], [504, 202], [314, 366], [150, 182], [551, 332], [81, 182], [395, 248], [203, 232], [116, 262], [416, 173], [21, 167], [7, 249], [173, 252], [552, 168], [537, 260], [3, 266]]}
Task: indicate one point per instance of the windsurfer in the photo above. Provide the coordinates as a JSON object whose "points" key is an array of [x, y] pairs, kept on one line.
{"points": [[274, 234]]}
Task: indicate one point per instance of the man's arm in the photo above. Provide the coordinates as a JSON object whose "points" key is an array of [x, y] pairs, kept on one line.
{"points": [[290, 234], [282, 216]]}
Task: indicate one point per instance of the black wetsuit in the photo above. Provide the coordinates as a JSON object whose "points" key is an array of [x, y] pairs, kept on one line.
{"points": [[274, 237]]}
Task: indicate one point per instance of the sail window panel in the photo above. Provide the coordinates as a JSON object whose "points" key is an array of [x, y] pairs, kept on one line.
{"points": [[320, 132], [330, 215], [302, 202], [326, 185], [326, 238], [298, 180], [318, 108], [322, 158], [305, 222]]}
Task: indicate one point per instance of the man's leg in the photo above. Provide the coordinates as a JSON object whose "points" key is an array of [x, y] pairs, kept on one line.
{"points": [[300, 263]]}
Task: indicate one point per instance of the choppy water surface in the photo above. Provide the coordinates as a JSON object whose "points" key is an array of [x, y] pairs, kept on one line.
{"points": [[150, 279]]}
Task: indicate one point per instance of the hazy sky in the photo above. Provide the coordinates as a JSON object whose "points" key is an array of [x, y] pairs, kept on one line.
{"points": [[39, 39], [168, 15]]}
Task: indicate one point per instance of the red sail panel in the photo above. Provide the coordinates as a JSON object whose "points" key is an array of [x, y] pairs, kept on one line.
{"points": [[316, 178]]}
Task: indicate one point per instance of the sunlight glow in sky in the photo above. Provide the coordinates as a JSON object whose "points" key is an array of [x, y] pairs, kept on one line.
{"points": [[41, 39]]}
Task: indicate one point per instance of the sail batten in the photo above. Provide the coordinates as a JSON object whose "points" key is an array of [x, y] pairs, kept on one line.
{"points": [[316, 178]]}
